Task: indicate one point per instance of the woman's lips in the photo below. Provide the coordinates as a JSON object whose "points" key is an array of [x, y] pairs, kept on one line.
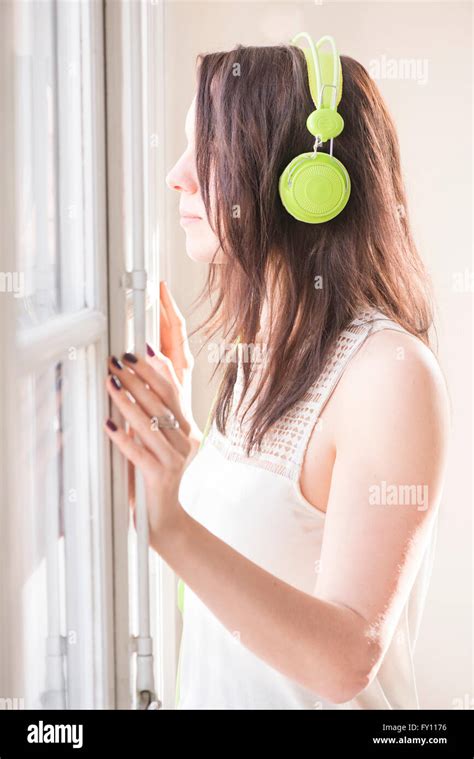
{"points": [[189, 219]]}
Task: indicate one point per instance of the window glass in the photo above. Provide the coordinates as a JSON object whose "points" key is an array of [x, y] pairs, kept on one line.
{"points": [[62, 615], [62, 500], [53, 128], [41, 504]]}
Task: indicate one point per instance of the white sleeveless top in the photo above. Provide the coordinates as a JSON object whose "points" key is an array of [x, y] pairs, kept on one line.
{"points": [[255, 505]]}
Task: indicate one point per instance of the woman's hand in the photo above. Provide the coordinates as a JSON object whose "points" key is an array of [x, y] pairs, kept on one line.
{"points": [[150, 402]]}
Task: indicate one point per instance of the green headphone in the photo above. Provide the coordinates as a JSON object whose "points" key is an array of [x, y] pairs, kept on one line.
{"points": [[315, 187]]}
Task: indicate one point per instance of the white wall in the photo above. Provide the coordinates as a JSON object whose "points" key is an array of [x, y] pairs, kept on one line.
{"points": [[434, 122]]}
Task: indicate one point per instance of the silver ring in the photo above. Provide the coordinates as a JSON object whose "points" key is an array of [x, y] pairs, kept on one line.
{"points": [[166, 421]]}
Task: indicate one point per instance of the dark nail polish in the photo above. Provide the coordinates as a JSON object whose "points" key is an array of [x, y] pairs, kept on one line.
{"points": [[130, 358], [118, 364], [150, 350], [116, 382], [111, 425]]}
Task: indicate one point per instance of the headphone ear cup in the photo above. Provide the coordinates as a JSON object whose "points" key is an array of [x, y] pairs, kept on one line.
{"points": [[314, 187]]}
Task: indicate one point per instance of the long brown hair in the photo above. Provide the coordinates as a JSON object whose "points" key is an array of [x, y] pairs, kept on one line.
{"points": [[251, 110]]}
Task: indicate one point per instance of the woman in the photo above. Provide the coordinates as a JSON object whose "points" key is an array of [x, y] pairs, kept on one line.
{"points": [[303, 524]]}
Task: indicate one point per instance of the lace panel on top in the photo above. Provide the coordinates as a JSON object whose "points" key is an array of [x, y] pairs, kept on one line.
{"points": [[284, 444]]}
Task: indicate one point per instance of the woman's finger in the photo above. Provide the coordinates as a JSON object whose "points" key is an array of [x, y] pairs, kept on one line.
{"points": [[163, 388], [164, 321], [173, 333], [149, 433], [148, 400], [175, 317], [138, 455], [163, 364]]}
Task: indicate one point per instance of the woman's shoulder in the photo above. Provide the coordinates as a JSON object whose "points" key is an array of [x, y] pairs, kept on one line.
{"points": [[394, 354], [388, 414], [394, 374]]}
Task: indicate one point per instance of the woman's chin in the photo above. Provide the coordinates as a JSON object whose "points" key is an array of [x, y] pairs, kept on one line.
{"points": [[198, 254], [203, 254]]}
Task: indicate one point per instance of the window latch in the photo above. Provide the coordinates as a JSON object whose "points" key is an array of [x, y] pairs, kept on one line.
{"points": [[134, 280], [143, 648]]}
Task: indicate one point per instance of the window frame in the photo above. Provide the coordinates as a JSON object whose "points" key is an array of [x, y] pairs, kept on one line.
{"points": [[9, 662], [136, 154], [35, 348]]}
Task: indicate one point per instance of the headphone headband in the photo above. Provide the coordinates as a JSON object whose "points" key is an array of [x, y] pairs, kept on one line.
{"points": [[316, 73]]}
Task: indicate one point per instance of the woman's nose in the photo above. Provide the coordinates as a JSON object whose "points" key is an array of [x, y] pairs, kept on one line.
{"points": [[181, 177]]}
